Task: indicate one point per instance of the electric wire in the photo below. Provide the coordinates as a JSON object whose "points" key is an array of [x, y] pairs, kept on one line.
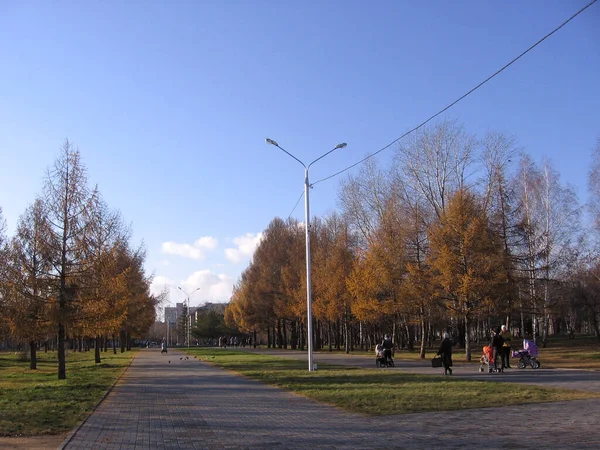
{"points": [[296, 205], [462, 96]]}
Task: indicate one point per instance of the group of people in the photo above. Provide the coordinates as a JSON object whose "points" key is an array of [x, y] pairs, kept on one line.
{"points": [[501, 346]]}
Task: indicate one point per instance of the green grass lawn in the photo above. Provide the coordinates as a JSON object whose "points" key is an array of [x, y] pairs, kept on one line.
{"points": [[379, 392], [35, 402]]}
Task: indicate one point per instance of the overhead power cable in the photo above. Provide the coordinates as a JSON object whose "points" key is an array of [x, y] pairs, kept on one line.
{"points": [[462, 96], [301, 195]]}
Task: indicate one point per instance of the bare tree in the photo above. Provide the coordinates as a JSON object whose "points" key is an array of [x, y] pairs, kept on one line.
{"points": [[549, 217], [3, 276], [435, 162], [67, 199], [594, 186], [362, 199]]}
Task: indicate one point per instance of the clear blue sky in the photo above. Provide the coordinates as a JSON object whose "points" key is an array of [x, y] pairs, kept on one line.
{"points": [[170, 104]]}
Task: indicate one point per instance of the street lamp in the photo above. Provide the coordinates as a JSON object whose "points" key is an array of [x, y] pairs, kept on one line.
{"points": [[309, 331], [187, 313]]}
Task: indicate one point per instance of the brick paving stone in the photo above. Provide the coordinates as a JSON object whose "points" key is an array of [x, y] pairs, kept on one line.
{"points": [[189, 404]]}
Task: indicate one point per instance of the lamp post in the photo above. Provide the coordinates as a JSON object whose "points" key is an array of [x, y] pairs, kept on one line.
{"points": [[187, 313], [309, 330]]}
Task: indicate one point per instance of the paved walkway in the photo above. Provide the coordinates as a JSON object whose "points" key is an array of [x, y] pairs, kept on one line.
{"points": [[165, 402]]}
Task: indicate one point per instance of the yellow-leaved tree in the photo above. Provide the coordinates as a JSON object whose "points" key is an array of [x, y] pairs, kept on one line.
{"points": [[466, 260]]}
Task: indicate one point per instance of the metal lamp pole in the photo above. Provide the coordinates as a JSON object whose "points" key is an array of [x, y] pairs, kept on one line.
{"points": [[187, 314], [309, 327]]}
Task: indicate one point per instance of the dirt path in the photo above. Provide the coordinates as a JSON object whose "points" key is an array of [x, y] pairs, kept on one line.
{"points": [[32, 443]]}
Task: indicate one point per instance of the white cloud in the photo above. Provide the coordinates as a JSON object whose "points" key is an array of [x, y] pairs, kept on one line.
{"points": [[159, 283], [207, 242], [246, 245], [212, 287], [194, 251]]}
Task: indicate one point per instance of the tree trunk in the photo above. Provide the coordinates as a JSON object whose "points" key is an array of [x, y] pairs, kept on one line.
{"points": [[122, 340], [97, 350], [467, 339], [422, 350], [33, 351], [269, 339], [62, 372], [294, 334], [318, 342]]}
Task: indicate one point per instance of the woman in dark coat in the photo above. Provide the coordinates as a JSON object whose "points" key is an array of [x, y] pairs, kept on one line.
{"points": [[497, 344], [445, 352]]}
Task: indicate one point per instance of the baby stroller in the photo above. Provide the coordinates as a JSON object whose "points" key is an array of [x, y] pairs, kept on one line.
{"points": [[527, 356], [380, 358], [486, 362]]}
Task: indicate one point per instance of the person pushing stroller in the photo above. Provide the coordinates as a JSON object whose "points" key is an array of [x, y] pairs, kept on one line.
{"points": [[386, 347]]}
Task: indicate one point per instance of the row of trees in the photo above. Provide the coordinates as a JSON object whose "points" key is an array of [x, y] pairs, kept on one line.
{"points": [[69, 271], [459, 234]]}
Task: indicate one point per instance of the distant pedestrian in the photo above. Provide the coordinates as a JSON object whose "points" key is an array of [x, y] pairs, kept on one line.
{"points": [[497, 349], [387, 345], [506, 347], [445, 352]]}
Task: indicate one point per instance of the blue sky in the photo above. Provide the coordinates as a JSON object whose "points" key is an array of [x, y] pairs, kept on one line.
{"points": [[170, 104]]}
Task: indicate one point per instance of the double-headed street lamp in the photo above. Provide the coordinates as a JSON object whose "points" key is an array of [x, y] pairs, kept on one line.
{"points": [[309, 330], [187, 314]]}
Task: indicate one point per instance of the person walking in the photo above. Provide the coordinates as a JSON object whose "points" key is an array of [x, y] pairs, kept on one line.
{"points": [[497, 349], [445, 352], [388, 346], [506, 347]]}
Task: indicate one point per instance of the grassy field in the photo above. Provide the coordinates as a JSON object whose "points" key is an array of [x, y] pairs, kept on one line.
{"points": [[378, 392], [35, 402]]}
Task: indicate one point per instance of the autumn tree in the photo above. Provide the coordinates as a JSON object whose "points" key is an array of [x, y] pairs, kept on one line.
{"points": [[66, 198], [500, 204], [141, 304], [332, 263], [104, 296], [29, 294], [370, 290], [466, 260]]}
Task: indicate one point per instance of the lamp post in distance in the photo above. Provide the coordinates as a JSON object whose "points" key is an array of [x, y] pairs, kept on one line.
{"points": [[187, 313], [309, 331]]}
